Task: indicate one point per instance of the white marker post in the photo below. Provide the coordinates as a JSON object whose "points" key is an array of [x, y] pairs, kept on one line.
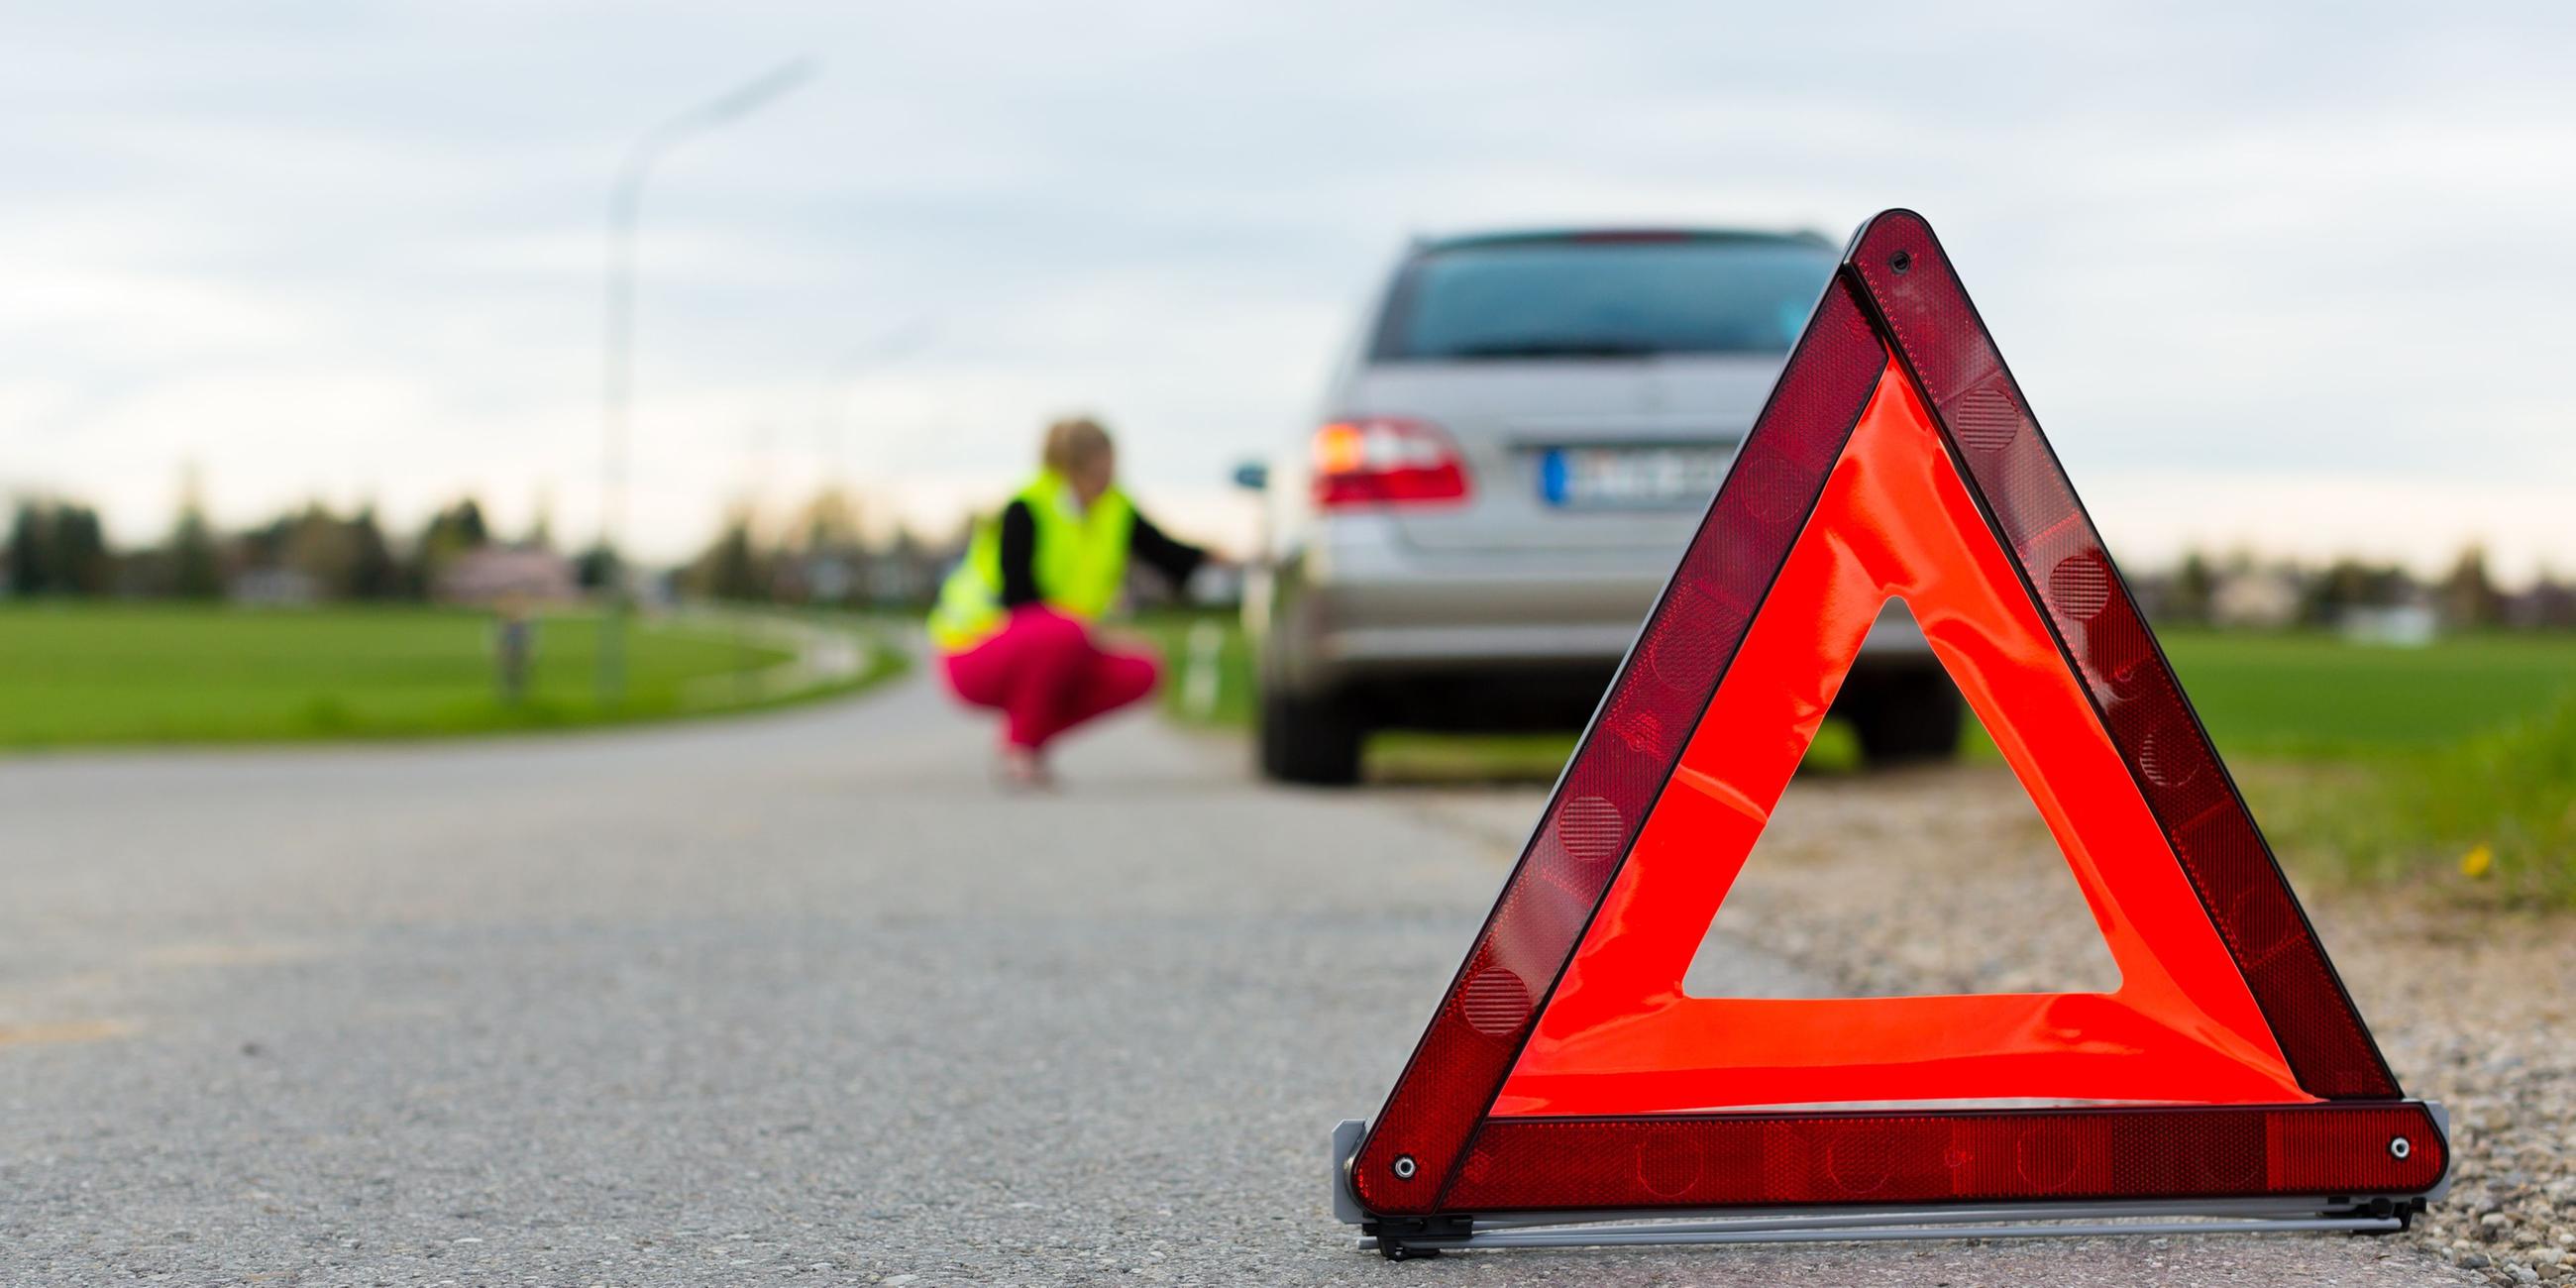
{"points": [[1199, 677]]}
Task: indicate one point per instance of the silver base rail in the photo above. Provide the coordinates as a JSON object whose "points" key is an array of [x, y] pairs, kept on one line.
{"points": [[2025, 1222], [2031, 1220]]}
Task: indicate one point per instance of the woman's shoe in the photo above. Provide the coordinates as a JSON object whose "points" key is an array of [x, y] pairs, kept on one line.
{"points": [[1022, 769]]}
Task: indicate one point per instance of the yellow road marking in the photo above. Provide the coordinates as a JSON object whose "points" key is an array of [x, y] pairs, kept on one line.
{"points": [[62, 1031], [226, 954]]}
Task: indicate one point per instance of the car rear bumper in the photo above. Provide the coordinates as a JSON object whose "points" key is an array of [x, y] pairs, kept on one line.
{"points": [[1462, 614], [1370, 613], [1501, 645]]}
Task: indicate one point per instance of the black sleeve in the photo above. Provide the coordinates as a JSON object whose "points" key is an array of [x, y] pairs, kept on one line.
{"points": [[1019, 555], [1176, 560]]}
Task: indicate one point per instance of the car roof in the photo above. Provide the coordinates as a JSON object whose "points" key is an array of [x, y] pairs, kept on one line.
{"points": [[1612, 233]]}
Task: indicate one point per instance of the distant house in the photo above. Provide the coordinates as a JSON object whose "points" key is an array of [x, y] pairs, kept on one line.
{"points": [[274, 586], [490, 574], [1220, 584], [2390, 625], [816, 578], [906, 572], [1213, 584], [824, 578], [2260, 598], [2548, 603]]}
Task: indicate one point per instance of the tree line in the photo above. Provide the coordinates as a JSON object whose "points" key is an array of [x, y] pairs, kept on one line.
{"points": [[817, 554], [2245, 589], [58, 548]]}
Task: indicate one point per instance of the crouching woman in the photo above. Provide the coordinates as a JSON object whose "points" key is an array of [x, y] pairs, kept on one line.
{"points": [[1014, 626]]}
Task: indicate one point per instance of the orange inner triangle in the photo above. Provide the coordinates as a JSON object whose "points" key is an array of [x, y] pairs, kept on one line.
{"points": [[1620, 1037]]}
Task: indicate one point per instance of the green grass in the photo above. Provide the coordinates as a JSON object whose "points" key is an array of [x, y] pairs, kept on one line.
{"points": [[2312, 696], [2395, 764], [1174, 633], [2374, 763], [2288, 696], [89, 674], [2491, 815]]}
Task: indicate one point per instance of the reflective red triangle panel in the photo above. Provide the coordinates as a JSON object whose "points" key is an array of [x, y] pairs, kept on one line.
{"points": [[1567, 1069]]}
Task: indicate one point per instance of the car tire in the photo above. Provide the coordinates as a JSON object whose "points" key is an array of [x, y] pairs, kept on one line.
{"points": [[1908, 718], [1314, 741]]}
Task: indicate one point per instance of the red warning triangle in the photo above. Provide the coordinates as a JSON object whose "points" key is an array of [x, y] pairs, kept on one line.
{"points": [[1566, 1069]]}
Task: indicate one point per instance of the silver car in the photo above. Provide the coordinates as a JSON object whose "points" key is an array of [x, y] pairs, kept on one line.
{"points": [[1506, 469]]}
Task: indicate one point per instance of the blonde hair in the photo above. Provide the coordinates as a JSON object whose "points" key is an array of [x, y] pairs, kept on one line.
{"points": [[1072, 443]]}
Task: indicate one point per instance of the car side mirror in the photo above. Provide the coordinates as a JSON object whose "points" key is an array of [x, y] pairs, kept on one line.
{"points": [[1252, 476]]}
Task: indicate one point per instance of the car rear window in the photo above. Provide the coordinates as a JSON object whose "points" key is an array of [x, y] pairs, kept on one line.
{"points": [[1572, 297]]}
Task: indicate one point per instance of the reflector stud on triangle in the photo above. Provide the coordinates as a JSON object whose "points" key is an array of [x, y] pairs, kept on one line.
{"points": [[1565, 1071]]}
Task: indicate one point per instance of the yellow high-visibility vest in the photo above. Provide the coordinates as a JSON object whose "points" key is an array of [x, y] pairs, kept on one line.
{"points": [[1081, 561]]}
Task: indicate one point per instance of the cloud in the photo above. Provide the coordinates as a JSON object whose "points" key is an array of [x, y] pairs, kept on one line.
{"points": [[356, 248]]}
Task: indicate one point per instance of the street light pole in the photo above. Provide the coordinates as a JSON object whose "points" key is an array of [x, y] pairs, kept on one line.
{"points": [[617, 384]]}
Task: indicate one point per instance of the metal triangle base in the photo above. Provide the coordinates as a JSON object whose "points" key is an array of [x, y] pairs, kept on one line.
{"points": [[1875, 1225], [1402, 1238]]}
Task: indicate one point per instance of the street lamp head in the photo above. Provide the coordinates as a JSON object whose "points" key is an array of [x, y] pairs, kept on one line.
{"points": [[757, 94]]}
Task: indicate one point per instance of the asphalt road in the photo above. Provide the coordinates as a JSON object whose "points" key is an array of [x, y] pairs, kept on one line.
{"points": [[793, 998]]}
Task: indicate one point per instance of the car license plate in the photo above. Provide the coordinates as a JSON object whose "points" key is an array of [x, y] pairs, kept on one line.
{"points": [[1630, 478]]}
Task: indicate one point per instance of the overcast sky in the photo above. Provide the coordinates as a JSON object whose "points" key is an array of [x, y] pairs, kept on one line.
{"points": [[2290, 279]]}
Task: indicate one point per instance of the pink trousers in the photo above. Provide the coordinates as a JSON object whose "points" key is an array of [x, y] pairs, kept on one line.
{"points": [[1047, 675]]}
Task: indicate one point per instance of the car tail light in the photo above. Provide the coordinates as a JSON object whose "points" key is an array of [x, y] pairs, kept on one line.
{"points": [[1378, 460]]}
